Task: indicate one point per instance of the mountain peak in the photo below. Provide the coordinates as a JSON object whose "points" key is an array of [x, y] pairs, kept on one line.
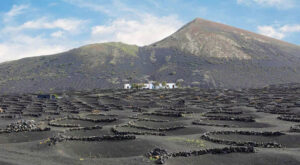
{"points": [[199, 20], [205, 38]]}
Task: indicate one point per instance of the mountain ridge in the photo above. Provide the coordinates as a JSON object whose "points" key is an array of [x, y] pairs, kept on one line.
{"points": [[201, 54]]}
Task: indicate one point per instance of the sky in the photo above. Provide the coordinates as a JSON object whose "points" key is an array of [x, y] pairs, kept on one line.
{"points": [[42, 27]]}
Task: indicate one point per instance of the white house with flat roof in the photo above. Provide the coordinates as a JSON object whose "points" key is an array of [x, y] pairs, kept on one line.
{"points": [[152, 85]]}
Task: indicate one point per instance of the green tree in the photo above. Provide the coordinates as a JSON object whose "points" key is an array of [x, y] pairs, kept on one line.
{"points": [[138, 85], [134, 86], [156, 83], [142, 85], [164, 83]]}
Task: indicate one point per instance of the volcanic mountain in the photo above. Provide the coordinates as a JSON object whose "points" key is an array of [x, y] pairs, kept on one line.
{"points": [[200, 54]]}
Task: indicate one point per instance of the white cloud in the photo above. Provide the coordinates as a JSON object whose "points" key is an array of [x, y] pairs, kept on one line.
{"points": [[142, 31], [290, 28], [57, 34], [15, 10], [42, 35], [111, 8], [64, 24], [270, 32], [278, 32], [280, 4], [20, 46], [91, 5], [71, 25], [18, 43]]}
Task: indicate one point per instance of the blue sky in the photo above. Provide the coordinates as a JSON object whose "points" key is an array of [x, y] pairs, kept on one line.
{"points": [[42, 27]]}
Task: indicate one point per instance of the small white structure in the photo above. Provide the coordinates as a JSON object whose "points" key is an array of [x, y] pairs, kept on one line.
{"points": [[153, 85], [127, 86], [148, 86], [171, 85]]}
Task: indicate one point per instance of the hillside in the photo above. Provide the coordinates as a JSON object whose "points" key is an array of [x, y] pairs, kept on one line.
{"points": [[202, 53], [82, 68]]}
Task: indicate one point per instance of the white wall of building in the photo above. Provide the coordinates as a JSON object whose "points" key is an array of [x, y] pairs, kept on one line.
{"points": [[127, 86], [171, 85], [152, 86], [148, 86]]}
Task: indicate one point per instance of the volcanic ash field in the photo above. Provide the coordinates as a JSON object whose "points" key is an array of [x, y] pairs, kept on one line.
{"points": [[172, 127]]}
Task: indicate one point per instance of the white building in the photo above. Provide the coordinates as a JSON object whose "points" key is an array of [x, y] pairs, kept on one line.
{"points": [[127, 86], [148, 86], [171, 85], [151, 85]]}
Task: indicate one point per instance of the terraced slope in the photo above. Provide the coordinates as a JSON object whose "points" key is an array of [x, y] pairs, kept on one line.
{"points": [[184, 126]]}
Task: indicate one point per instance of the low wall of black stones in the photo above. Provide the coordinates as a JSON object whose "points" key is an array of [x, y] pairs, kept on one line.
{"points": [[85, 128], [55, 124], [207, 137], [148, 119], [275, 111], [61, 138], [230, 118], [115, 131], [176, 109], [53, 113], [211, 124], [33, 114], [92, 120], [292, 118], [32, 130], [295, 128], [8, 116], [161, 155], [173, 114], [225, 112], [131, 124], [101, 138]]}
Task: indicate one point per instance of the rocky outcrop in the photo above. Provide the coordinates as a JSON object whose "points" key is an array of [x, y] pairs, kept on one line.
{"points": [[24, 126]]}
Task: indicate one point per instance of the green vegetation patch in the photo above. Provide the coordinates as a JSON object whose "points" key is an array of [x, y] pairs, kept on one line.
{"points": [[128, 49]]}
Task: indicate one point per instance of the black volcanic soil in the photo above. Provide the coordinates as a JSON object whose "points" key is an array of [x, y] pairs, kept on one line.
{"points": [[108, 127]]}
